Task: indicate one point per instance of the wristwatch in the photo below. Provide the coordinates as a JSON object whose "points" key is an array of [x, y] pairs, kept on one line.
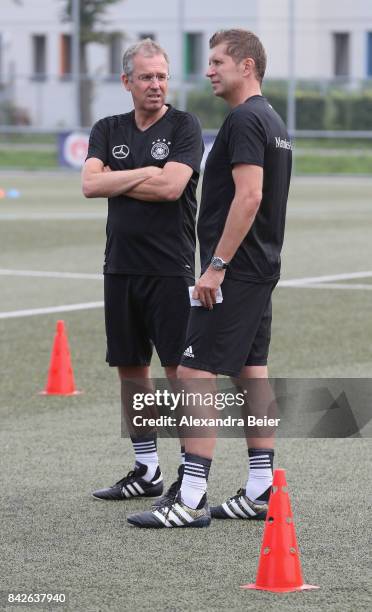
{"points": [[217, 263]]}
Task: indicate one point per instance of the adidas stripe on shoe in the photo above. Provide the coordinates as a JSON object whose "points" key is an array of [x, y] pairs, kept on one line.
{"points": [[170, 495], [240, 507], [176, 514], [133, 485]]}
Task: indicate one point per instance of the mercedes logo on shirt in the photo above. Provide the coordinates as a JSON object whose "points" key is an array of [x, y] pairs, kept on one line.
{"points": [[120, 151]]}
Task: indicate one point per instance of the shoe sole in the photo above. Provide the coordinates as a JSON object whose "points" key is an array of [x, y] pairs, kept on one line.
{"points": [[121, 499], [203, 521], [259, 517]]}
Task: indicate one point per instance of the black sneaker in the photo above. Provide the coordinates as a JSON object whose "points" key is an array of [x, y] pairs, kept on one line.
{"points": [[170, 495], [240, 507], [133, 485], [176, 514]]}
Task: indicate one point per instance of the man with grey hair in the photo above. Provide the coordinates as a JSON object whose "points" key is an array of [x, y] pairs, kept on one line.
{"points": [[147, 163]]}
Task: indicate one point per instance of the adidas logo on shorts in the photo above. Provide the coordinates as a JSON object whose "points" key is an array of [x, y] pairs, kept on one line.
{"points": [[188, 352]]}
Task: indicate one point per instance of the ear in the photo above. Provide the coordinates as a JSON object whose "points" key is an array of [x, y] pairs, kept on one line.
{"points": [[248, 66], [126, 82]]}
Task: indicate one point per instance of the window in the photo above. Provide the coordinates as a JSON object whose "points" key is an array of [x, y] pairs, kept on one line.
{"points": [[66, 56], [143, 35], [341, 45], [193, 53], [39, 56], [115, 51], [369, 54]]}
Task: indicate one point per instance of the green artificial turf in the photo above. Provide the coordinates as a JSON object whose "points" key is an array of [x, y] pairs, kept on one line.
{"points": [[56, 450]]}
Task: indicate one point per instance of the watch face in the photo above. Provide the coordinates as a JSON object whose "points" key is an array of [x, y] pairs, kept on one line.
{"points": [[217, 263]]}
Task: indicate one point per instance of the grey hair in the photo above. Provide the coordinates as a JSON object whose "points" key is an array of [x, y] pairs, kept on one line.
{"points": [[146, 47]]}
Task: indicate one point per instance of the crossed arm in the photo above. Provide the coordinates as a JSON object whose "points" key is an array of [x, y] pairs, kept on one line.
{"points": [[150, 183], [248, 181]]}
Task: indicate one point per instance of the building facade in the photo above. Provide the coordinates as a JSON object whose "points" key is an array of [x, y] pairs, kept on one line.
{"points": [[332, 40]]}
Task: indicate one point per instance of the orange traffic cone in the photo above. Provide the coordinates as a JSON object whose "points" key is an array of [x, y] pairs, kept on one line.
{"points": [[60, 376], [279, 568]]}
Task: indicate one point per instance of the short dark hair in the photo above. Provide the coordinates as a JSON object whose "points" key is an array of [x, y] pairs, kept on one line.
{"points": [[241, 44]]}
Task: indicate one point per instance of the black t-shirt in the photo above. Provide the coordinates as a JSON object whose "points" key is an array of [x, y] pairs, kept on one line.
{"points": [[252, 133], [154, 238]]}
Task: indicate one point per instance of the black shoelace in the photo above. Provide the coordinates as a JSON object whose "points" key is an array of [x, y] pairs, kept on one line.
{"points": [[130, 476], [239, 493], [171, 495], [166, 507], [173, 490]]}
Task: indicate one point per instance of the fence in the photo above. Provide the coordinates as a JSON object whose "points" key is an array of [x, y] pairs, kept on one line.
{"points": [[49, 102], [333, 120]]}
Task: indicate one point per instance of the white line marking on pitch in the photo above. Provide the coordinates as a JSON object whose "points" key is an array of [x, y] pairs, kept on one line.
{"points": [[296, 282], [317, 282], [357, 286], [46, 274], [323, 279], [52, 216], [38, 311]]}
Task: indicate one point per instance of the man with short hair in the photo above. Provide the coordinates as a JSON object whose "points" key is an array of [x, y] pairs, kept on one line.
{"points": [[146, 162], [240, 229]]}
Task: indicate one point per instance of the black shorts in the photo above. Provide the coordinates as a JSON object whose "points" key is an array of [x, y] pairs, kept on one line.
{"points": [[235, 333], [142, 311]]}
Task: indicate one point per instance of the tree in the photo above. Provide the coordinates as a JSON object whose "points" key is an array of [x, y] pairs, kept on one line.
{"points": [[92, 14]]}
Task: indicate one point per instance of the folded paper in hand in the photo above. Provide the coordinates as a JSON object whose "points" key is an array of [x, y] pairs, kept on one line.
{"points": [[194, 302]]}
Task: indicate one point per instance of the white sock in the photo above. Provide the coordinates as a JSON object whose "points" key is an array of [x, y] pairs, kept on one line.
{"points": [[194, 481], [260, 476], [146, 454]]}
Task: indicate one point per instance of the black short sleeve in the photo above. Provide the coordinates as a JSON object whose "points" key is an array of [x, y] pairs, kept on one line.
{"points": [[188, 147], [98, 142], [150, 238], [252, 134], [246, 139]]}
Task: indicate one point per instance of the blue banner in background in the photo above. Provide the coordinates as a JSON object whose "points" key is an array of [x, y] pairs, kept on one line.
{"points": [[72, 149]]}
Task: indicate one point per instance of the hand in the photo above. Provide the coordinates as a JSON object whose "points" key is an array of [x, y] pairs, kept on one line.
{"points": [[206, 288], [107, 169]]}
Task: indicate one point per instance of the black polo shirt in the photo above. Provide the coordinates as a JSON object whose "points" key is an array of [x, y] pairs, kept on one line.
{"points": [[252, 133], [153, 238]]}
